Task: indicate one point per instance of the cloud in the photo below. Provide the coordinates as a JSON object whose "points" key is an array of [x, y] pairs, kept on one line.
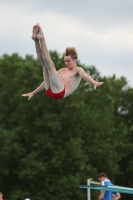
{"points": [[102, 31]]}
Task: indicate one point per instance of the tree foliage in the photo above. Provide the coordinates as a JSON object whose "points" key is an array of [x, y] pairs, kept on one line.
{"points": [[48, 147]]}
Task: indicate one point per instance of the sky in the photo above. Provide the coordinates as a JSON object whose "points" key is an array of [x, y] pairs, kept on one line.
{"points": [[100, 30]]}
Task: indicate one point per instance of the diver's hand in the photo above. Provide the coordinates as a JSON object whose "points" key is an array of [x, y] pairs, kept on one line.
{"points": [[29, 95]]}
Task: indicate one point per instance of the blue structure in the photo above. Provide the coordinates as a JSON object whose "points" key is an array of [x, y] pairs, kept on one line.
{"points": [[109, 188]]}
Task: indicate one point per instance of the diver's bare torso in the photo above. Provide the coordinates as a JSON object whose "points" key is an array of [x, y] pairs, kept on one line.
{"points": [[70, 79]]}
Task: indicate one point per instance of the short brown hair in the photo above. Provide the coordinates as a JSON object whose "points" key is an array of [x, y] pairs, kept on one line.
{"points": [[71, 51], [102, 175]]}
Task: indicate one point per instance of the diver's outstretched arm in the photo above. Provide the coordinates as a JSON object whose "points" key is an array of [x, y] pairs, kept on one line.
{"points": [[31, 94], [88, 78]]}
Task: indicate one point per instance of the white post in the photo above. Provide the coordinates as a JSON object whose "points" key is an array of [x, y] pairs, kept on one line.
{"points": [[88, 190]]}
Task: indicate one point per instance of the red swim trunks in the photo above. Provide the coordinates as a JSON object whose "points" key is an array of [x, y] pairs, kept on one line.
{"points": [[52, 95]]}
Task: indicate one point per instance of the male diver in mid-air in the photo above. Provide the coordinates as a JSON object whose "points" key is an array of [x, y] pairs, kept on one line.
{"points": [[58, 84]]}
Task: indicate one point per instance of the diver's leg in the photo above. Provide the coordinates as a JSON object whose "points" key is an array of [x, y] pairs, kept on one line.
{"points": [[39, 55], [56, 83]]}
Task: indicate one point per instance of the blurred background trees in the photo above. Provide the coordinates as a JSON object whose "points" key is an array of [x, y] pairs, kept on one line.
{"points": [[49, 147]]}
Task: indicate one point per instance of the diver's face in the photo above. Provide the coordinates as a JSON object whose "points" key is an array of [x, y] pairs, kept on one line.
{"points": [[69, 62]]}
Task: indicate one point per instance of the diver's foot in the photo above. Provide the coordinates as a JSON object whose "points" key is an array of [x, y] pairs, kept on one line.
{"points": [[34, 32], [40, 33]]}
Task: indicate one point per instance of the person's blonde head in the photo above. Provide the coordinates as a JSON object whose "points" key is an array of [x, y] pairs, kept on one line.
{"points": [[71, 51]]}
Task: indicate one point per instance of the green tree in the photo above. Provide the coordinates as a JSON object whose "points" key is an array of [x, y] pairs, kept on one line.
{"points": [[48, 147]]}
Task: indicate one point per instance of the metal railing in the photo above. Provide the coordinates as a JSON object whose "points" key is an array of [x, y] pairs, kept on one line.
{"points": [[90, 182]]}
